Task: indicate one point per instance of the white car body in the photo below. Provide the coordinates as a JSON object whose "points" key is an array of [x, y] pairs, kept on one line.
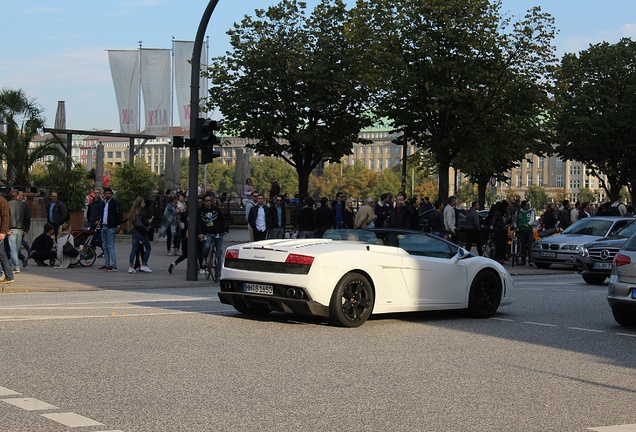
{"points": [[401, 282]]}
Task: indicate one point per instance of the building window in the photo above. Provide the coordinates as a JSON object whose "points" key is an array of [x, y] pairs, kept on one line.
{"points": [[559, 180], [541, 162], [529, 183], [518, 180], [575, 170], [529, 163], [109, 154], [540, 178], [118, 155], [575, 184], [559, 162]]}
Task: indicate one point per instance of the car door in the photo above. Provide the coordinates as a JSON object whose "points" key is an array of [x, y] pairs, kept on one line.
{"points": [[430, 275]]}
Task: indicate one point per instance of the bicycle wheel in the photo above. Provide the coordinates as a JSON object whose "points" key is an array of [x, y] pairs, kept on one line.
{"points": [[208, 263], [87, 256], [214, 260]]}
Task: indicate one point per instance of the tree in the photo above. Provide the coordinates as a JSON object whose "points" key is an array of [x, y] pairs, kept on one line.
{"points": [[458, 76], [132, 180], [24, 121], [586, 195], [293, 82], [264, 169], [72, 186], [596, 96], [537, 196]]}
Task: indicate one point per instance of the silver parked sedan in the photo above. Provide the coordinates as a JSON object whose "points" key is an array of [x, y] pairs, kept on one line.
{"points": [[621, 294], [565, 247]]}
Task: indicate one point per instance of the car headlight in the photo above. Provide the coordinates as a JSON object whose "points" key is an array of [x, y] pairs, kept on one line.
{"points": [[536, 245], [572, 247]]}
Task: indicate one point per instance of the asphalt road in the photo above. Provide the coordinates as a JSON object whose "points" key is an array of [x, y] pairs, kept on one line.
{"points": [[175, 359]]}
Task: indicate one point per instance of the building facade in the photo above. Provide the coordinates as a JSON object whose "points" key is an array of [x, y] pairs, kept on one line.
{"points": [[560, 178]]}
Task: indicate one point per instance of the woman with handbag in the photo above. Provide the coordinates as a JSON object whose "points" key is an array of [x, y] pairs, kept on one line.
{"points": [[139, 220], [66, 251]]}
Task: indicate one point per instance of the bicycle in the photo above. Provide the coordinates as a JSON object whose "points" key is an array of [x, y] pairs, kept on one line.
{"points": [[212, 261], [513, 243], [84, 245]]}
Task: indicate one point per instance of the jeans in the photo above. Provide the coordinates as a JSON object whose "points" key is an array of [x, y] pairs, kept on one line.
{"points": [[136, 239], [306, 234], [205, 250], [525, 243], [15, 242], [4, 261], [108, 246]]}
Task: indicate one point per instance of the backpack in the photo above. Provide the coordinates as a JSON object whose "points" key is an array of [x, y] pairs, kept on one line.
{"points": [[614, 211]]}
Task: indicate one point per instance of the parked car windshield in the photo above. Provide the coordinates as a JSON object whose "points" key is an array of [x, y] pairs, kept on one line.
{"points": [[589, 226], [627, 231]]}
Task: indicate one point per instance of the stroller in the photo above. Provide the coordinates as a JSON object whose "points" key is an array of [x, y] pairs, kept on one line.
{"points": [[86, 240]]}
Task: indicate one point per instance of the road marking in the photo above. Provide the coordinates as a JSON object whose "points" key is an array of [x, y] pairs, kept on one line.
{"points": [[540, 324], [616, 428], [7, 392], [71, 419], [585, 329], [626, 334], [504, 319], [29, 404]]}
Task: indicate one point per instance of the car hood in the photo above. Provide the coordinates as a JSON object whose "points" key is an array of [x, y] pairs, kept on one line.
{"points": [[613, 241], [575, 239]]}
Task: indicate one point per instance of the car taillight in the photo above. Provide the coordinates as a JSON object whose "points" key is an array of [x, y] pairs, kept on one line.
{"points": [[232, 253], [299, 259], [621, 259]]}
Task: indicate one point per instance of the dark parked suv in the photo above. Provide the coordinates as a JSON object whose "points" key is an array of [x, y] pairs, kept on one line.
{"points": [[595, 260]]}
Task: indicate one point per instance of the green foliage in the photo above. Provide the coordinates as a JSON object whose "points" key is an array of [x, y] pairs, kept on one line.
{"points": [[71, 186], [24, 121], [264, 169], [294, 83], [596, 95], [467, 193], [459, 77], [129, 181], [537, 196], [586, 195]]}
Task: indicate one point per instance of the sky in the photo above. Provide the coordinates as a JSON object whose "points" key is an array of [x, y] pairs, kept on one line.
{"points": [[56, 50]]}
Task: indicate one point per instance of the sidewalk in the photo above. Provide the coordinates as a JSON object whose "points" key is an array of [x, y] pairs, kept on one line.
{"points": [[77, 278]]}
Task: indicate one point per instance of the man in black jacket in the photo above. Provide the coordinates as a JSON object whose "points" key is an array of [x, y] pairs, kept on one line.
{"points": [[210, 227], [56, 212], [278, 218], [109, 216]]}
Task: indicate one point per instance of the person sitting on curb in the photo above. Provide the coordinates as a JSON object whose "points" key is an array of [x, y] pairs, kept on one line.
{"points": [[43, 247]]}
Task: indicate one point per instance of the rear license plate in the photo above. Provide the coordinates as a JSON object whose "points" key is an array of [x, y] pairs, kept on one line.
{"points": [[548, 254], [258, 289], [603, 266]]}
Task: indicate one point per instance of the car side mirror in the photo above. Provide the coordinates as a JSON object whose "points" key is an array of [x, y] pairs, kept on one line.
{"points": [[460, 255]]}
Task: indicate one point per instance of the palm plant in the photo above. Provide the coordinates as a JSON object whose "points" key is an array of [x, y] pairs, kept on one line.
{"points": [[24, 120]]}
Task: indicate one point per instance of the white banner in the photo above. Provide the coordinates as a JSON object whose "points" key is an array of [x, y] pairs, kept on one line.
{"points": [[124, 68], [155, 85], [182, 75]]}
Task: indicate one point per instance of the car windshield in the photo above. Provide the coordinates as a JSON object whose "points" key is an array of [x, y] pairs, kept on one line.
{"points": [[590, 226], [413, 243], [627, 231], [351, 235]]}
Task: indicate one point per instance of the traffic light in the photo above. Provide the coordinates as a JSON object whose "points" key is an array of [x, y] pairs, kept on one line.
{"points": [[178, 142], [206, 139]]}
